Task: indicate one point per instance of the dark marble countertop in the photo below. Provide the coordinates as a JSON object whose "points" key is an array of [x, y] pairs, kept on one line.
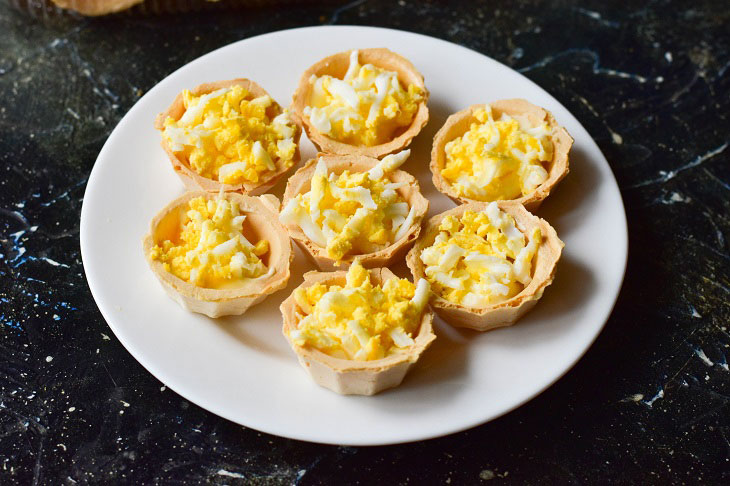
{"points": [[649, 403]]}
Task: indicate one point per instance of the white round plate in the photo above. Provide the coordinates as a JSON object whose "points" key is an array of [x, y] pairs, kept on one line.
{"points": [[241, 368]]}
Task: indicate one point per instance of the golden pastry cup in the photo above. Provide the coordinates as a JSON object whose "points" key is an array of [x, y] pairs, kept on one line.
{"points": [[503, 313], [336, 66], [459, 123], [300, 183], [349, 377], [261, 223], [94, 8], [194, 181], [144, 7]]}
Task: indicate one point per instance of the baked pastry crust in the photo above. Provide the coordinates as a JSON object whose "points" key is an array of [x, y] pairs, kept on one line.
{"points": [[94, 8], [349, 377], [261, 219], [458, 124], [300, 183], [336, 65], [194, 181], [503, 313]]}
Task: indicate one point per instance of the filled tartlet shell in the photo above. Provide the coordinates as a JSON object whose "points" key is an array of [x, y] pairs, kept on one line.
{"points": [[300, 183], [261, 221], [336, 66], [348, 377], [94, 8], [194, 181], [507, 312], [459, 123]]}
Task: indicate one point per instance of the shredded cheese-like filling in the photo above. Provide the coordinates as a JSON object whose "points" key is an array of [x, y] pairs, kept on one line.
{"points": [[209, 250], [360, 321], [480, 258], [498, 159], [229, 137], [367, 107], [352, 213]]}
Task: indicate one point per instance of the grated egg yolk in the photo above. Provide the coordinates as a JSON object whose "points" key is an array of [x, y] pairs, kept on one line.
{"points": [[360, 321], [498, 160], [352, 213], [367, 107], [209, 249], [480, 258], [228, 137]]}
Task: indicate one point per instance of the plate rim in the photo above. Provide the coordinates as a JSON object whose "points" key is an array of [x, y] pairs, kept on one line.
{"points": [[161, 375]]}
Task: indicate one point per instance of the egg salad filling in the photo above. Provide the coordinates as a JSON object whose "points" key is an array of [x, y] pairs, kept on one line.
{"points": [[360, 321], [209, 249], [367, 107], [353, 213], [480, 258], [226, 136], [498, 159]]}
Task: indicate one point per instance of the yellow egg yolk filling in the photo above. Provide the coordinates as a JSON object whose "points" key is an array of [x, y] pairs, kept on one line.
{"points": [[352, 213], [368, 107], [480, 258], [209, 249], [360, 321], [498, 159], [228, 137]]}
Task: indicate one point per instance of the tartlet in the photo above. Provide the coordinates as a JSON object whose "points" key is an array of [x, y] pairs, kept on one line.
{"points": [[261, 223], [459, 123], [506, 312], [336, 66], [195, 181], [96, 7], [300, 182], [350, 377]]}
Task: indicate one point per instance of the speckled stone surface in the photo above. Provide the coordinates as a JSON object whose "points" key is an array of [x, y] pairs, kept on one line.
{"points": [[649, 403]]}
